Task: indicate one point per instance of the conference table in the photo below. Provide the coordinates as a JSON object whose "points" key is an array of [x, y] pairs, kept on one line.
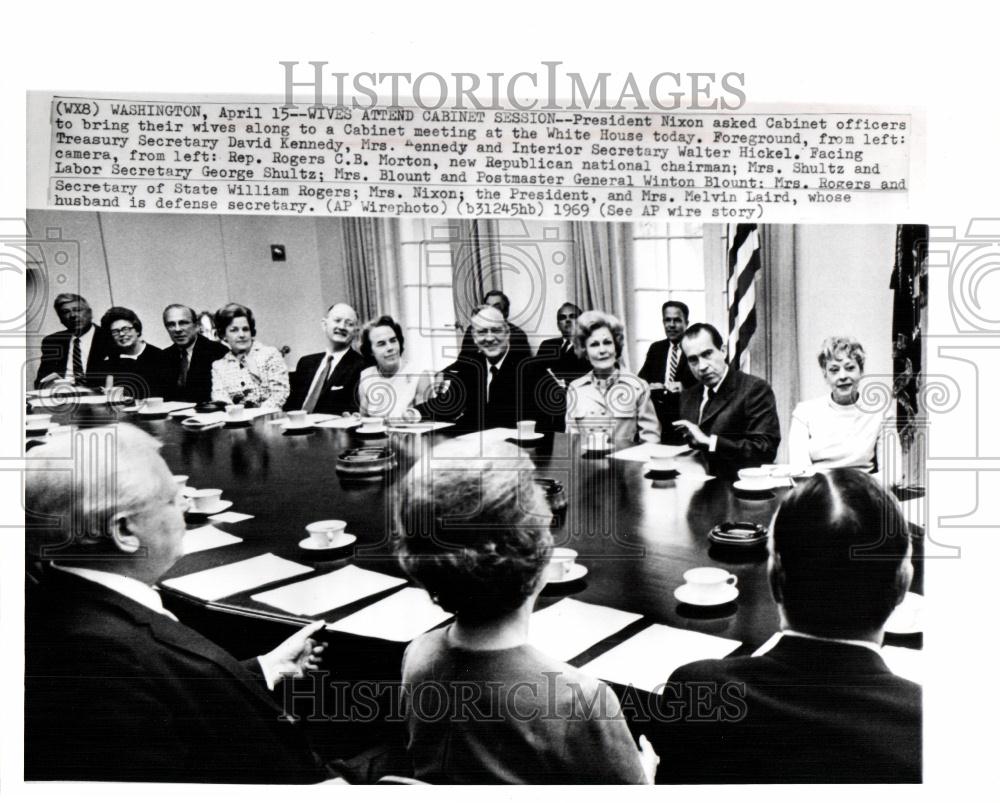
{"points": [[636, 536]]}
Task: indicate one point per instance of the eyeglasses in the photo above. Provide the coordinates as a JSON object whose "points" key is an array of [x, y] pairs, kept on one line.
{"points": [[495, 332], [122, 330]]}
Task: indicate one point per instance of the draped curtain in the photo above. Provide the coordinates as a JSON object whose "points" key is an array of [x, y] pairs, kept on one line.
{"points": [[477, 265], [373, 266]]}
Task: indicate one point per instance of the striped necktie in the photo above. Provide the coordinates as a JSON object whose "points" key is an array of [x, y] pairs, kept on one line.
{"points": [[318, 385], [675, 359], [77, 362]]}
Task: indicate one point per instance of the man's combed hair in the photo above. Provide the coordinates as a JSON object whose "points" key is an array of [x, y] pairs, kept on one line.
{"points": [[840, 539], [473, 531]]}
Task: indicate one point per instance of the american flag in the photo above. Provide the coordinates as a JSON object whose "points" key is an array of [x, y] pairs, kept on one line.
{"points": [[744, 262]]}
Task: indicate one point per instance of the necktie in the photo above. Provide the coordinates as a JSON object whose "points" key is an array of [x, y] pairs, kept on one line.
{"points": [[182, 374], [704, 404], [493, 378], [318, 385], [566, 346], [675, 358], [77, 362]]}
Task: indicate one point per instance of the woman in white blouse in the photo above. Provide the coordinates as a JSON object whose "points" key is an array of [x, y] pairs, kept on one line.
{"points": [[607, 395], [251, 374], [391, 388], [835, 431]]}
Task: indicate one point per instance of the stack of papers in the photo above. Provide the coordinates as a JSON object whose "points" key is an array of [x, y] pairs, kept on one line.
{"points": [[570, 627], [328, 591], [401, 617], [224, 581]]}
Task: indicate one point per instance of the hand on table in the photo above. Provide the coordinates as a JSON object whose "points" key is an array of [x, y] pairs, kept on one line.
{"points": [[692, 433], [296, 654]]}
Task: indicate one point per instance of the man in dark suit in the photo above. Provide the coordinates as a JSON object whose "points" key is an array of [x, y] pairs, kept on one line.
{"points": [[518, 339], [116, 689], [821, 705], [666, 370], [489, 389], [730, 417], [188, 362], [78, 350], [327, 382], [554, 367]]}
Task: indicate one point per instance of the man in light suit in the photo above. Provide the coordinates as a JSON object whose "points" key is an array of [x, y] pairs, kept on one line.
{"points": [[327, 382], [730, 417], [77, 351], [821, 705], [116, 689], [188, 362], [666, 370]]}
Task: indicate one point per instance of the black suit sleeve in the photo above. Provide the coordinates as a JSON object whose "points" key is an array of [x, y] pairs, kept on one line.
{"points": [[758, 443], [649, 366]]}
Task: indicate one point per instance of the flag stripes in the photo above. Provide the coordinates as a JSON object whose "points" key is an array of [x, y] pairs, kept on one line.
{"points": [[744, 262]]}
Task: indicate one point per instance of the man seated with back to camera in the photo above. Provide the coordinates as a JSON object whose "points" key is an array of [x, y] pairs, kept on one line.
{"points": [[821, 705]]}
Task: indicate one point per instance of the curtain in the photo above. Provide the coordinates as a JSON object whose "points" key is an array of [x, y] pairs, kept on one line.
{"points": [[373, 264], [477, 264], [774, 348]]}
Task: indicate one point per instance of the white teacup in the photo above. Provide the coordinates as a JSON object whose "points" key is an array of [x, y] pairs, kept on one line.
{"points": [[154, 404], [325, 534], [561, 562], [756, 484], [235, 411], [181, 480], [597, 440], [525, 429], [298, 418], [205, 499], [37, 422], [371, 422], [708, 583], [661, 458]]}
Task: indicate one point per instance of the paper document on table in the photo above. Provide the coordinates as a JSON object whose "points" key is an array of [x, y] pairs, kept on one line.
{"points": [[401, 617], [646, 660], [328, 591], [569, 627], [207, 537], [420, 427], [641, 453], [204, 419], [230, 517], [222, 581], [169, 407], [905, 662], [339, 423]]}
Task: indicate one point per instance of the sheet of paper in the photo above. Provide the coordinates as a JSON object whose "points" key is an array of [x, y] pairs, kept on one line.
{"points": [[58, 401], [203, 419], [339, 423], [169, 407], [905, 662], [207, 537], [640, 453], [646, 660], [222, 581], [328, 591], [422, 427], [230, 517], [569, 627], [313, 418], [401, 617]]}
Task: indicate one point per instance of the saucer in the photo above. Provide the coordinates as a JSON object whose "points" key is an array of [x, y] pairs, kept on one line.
{"points": [[683, 594], [594, 453], [238, 422], [151, 415], [218, 507], [743, 488], [531, 440], [373, 432], [289, 427], [345, 541], [188, 490], [658, 474], [908, 616], [578, 572], [36, 432]]}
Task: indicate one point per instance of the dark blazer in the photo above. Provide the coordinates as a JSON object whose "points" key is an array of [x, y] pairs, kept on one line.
{"points": [[141, 377], [117, 692], [198, 387], [743, 415], [56, 351], [341, 392], [465, 402], [667, 405], [518, 343], [807, 711], [549, 395]]}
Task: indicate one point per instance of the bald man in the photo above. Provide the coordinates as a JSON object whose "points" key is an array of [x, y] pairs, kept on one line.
{"points": [[327, 382]]}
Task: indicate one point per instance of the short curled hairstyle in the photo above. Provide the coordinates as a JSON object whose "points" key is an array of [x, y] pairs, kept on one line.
{"points": [[840, 540], [592, 320], [120, 314], [474, 530], [229, 313], [835, 348], [366, 334]]}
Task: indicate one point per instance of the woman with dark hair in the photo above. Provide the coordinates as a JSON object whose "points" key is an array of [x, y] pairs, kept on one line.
{"points": [[835, 431], [390, 388], [482, 705], [607, 395], [206, 325], [251, 373], [133, 363]]}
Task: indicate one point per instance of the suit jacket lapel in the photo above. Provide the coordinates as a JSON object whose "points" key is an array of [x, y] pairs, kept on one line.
{"points": [[721, 398]]}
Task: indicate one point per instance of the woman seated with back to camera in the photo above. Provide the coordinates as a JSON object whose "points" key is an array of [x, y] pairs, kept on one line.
{"points": [[606, 393], [482, 705], [251, 374], [835, 431], [390, 388]]}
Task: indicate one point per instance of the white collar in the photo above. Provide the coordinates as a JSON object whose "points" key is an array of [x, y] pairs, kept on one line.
{"points": [[86, 336], [135, 590], [705, 389], [868, 645], [134, 356], [499, 362]]}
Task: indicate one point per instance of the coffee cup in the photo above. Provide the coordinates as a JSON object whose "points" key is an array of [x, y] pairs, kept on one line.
{"points": [[205, 499], [325, 534], [708, 583], [37, 422], [235, 412], [662, 459], [154, 404], [525, 429], [181, 480], [561, 562], [298, 418], [371, 422]]}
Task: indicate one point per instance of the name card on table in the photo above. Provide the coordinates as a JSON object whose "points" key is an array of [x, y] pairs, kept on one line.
{"points": [[646, 660], [570, 627], [223, 581], [328, 591]]}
